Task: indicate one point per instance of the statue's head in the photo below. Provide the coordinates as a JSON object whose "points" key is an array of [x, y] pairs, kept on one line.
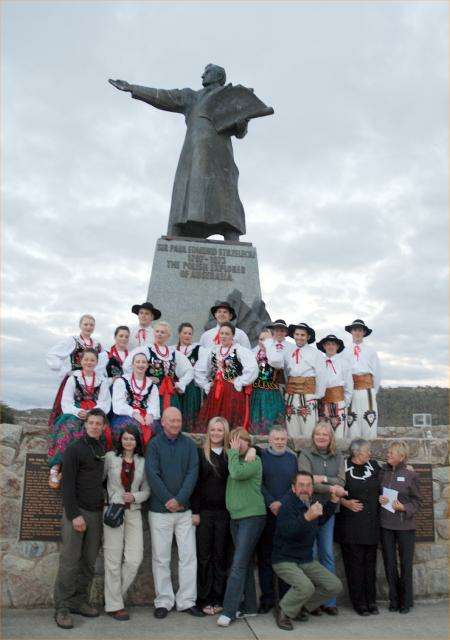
{"points": [[213, 74]]}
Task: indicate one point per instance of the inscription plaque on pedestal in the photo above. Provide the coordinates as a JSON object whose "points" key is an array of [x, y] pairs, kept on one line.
{"points": [[190, 275], [41, 505], [425, 515]]}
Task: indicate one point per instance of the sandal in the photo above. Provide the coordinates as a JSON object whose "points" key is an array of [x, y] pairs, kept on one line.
{"points": [[208, 610]]}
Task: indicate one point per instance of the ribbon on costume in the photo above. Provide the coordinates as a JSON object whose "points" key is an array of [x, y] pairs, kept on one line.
{"points": [[356, 351], [218, 385], [87, 405], [217, 338], [142, 334], [248, 392], [166, 390], [330, 361], [297, 355]]}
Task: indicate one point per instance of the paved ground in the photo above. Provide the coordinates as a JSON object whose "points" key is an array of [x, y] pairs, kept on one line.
{"points": [[424, 622]]}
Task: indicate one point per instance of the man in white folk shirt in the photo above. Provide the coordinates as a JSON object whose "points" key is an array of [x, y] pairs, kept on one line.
{"points": [[306, 378], [223, 312], [142, 335], [339, 385], [279, 330], [362, 416]]}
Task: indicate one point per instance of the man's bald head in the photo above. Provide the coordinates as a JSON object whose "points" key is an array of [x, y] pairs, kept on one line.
{"points": [[171, 422]]}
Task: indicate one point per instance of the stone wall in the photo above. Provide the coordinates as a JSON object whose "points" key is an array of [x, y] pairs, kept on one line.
{"points": [[29, 568]]}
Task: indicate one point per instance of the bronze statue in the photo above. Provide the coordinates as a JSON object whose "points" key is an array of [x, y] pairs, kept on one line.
{"points": [[205, 199]]}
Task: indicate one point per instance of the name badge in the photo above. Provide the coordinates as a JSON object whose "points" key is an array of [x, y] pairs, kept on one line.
{"points": [[400, 479]]}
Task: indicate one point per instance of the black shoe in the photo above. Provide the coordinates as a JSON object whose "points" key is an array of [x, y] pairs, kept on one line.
{"points": [[316, 612], [303, 615], [161, 612], [194, 611], [362, 612], [393, 607], [86, 610], [373, 609], [404, 610], [331, 611], [264, 607]]}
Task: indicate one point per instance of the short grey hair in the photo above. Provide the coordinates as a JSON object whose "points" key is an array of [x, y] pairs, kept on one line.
{"points": [[357, 444]]}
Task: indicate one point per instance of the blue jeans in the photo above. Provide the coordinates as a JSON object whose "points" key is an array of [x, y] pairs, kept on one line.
{"points": [[323, 550], [241, 580]]}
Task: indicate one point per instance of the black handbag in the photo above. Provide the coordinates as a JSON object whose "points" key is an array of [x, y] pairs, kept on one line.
{"points": [[113, 516]]}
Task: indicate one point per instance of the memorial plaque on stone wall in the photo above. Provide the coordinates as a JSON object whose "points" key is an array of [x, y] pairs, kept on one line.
{"points": [[425, 516], [41, 505]]}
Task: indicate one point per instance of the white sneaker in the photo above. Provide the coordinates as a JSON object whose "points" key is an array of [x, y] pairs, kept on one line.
{"points": [[223, 621]]}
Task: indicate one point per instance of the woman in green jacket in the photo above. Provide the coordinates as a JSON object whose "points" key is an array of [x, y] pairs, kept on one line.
{"points": [[247, 509]]}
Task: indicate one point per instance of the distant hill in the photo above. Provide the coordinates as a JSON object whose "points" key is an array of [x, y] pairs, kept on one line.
{"points": [[397, 405]]}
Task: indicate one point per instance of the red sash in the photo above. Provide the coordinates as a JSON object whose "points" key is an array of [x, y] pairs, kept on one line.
{"points": [[166, 390]]}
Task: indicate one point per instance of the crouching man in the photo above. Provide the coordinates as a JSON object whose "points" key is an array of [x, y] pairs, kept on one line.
{"points": [[292, 557]]}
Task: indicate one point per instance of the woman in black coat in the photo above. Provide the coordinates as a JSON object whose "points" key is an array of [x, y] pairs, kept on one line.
{"points": [[357, 527], [211, 517]]}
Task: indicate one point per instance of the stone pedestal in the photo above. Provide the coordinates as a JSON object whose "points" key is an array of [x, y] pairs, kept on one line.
{"points": [[190, 275]]}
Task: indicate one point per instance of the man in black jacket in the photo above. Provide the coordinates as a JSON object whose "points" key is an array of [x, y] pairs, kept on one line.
{"points": [[292, 556], [81, 522]]}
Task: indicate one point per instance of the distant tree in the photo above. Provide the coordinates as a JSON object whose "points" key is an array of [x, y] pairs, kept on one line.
{"points": [[6, 414]]}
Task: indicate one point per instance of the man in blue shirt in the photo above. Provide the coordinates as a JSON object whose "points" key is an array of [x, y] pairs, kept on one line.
{"points": [[292, 557], [171, 465], [279, 466]]}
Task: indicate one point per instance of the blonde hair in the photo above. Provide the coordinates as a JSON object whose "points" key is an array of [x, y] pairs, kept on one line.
{"points": [[325, 425], [163, 323], [86, 315], [401, 447], [242, 433], [226, 437]]}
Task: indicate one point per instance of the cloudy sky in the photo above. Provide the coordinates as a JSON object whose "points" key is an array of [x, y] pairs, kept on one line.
{"points": [[349, 176]]}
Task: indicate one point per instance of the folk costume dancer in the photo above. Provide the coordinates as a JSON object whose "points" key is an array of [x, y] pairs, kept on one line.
{"points": [[339, 385], [169, 369], [117, 353], [362, 415], [142, 335], [279, 330], [223, 312], [305, 370], [267, 402], [84, 390], [191, 400], [225, 373], [135, 402], [65, 358]]}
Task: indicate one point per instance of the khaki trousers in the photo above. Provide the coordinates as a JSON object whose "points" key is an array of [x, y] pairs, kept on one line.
{"points": [[123, 550], [163, 526], [311, 585], [77, 557]]}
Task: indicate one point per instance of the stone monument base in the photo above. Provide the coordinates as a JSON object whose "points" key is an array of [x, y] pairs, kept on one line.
{"points": [[190, 275]]}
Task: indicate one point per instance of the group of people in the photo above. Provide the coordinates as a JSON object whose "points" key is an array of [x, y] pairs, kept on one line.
{"points": [[286, 379], [226, 502]]}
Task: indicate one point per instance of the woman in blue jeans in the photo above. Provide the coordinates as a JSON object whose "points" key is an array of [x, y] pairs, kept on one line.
{"points": [[247, 509], [328, 469]]}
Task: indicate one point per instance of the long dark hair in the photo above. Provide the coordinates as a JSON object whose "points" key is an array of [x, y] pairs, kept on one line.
{"points": [[139, 451]]}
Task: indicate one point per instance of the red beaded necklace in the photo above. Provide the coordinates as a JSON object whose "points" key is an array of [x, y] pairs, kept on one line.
{"points": [[163, 355], [116, 355], [89, 388]]}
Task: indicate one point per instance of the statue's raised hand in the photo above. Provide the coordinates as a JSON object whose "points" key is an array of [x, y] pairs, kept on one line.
{"points": [[122, 85]]}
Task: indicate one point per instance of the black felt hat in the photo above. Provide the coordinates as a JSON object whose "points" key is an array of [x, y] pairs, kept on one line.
{"points": [[302, 325], [146, 305], [359, 324], [224, 305], [331, 338], [278, 324]]}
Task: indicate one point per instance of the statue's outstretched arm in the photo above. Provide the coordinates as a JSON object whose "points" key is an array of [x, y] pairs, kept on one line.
{"points": [[168, 100]]}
